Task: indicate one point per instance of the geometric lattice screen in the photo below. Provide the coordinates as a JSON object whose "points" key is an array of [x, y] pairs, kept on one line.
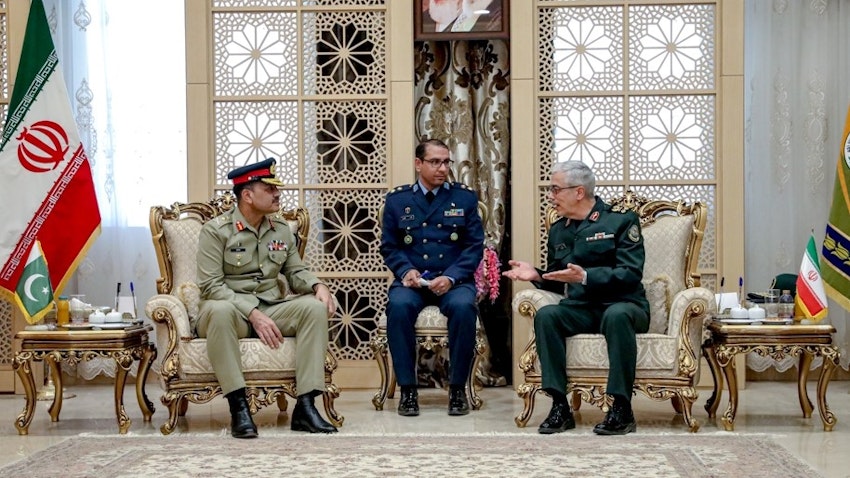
{"points": [[7, 309], [305, 82], [630, 90]]}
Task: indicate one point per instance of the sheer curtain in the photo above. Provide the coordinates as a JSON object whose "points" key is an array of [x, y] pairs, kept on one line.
{"points": [[797, 62], [124, 65]]}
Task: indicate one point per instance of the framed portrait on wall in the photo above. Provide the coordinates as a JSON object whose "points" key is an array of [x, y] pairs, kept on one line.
{"points": [[460, 19]]}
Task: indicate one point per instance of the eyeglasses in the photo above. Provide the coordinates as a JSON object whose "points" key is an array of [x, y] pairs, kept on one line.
{"points": [[436, 163], [556, 189]]}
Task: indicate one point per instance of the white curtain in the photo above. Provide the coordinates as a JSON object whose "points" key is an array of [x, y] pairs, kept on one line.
{"points": [[124, 65], [797, 66]]}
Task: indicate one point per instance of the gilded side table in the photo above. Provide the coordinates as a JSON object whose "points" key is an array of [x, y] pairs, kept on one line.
{"points": [[55, 346], [777, 341]]}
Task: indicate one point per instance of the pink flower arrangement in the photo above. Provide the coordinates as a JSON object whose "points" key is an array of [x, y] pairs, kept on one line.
{"points": [[487, 275]]}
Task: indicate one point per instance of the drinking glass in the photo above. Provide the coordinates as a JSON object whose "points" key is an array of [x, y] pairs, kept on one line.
{"points": [[771, 304]]}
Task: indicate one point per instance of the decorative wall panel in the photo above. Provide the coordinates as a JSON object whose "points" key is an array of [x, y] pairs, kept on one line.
{"points": [[349, 138], [247, 132], [587, 129], [349, 53], [671, 137], [581, 49], [361, 301], [7, 316], [307, 85], [597, 101], [671, 47], [344, 234], [255, 53]]}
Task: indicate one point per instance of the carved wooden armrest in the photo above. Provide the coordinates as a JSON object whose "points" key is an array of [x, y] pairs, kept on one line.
{"points": [[688, 315], [171, 323]]}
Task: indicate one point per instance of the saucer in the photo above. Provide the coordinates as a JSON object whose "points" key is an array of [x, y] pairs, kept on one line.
{"points": [[111, 325], [777, 321], [732, 321], [83, 326]]}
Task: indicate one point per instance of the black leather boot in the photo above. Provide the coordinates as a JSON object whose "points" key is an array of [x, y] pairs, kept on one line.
{"points": [[305, 417], [619, 420], [241, 423], [408, 405], [560, 419], [458, 403]]}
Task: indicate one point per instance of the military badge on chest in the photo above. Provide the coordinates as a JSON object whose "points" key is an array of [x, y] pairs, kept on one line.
{"points": [[277, 245]]}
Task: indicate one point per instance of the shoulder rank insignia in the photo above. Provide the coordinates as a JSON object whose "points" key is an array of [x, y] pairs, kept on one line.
{"points": [[634, 233]]}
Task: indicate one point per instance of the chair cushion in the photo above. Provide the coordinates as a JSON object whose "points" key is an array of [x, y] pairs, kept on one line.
{"points": [[182, 238], [258, 360], [587, 355], [665, 243], [658, 295]]}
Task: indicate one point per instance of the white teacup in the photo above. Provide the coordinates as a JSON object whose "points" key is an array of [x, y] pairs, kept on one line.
{"points": [[113, 317], [97, 317]]}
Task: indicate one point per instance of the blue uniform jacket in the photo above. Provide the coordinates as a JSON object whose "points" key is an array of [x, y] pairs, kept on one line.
{"points": [[445, 237]]}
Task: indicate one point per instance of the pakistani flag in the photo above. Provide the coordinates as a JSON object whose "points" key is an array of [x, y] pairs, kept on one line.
{"points": [[50, 210], [35, 293]]}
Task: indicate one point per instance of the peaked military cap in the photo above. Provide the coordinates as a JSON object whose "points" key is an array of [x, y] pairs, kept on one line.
{"points": [[262, 171]]}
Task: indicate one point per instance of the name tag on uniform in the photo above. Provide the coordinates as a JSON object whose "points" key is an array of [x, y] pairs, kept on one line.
{"points": [[599, 236], [407, 217], [237, 249], [453, 213]]}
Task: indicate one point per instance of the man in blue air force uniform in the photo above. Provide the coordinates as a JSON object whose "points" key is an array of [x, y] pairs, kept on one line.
{"points": [[432, 241], [596, 256]]}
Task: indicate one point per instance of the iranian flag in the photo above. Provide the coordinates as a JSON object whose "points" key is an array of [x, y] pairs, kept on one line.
{"points": [[50, 213], [811, 297]]}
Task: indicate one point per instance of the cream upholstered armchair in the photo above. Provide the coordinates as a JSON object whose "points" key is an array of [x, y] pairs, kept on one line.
{"points": [[186, 373], [668, 355], [432, 333]]}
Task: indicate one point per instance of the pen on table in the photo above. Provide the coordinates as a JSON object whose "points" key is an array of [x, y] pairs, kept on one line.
{"points": [[720, 295], [117, 294], [133, 293]]}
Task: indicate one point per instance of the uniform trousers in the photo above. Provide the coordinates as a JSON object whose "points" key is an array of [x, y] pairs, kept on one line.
{"points": [[618, 322], [304, 317], [458, 305]]}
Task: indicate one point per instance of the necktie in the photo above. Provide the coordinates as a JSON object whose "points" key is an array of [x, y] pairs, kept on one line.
{"points": [[429, 196]]}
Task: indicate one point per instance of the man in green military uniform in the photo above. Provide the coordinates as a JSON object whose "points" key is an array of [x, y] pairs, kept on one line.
{"points": [[240, 255], [595, 257]]}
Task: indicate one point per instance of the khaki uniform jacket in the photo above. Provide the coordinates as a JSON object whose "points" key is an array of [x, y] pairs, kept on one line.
{"points": [[609, 246], [239, 264]]}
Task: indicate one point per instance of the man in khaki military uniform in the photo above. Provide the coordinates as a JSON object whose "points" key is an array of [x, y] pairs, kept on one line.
{"points": [[595, 256], [240, 255]]}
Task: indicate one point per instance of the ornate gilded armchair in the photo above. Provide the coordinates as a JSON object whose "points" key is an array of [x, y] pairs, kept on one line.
{"points": [[669, 353], [186, 373], [432, 333]]}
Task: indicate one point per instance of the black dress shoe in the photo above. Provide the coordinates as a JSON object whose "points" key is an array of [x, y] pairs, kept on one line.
{"points": [[305, 417], [408, 406], [458, 403], [241, 423], [560, 419], [618, 421]]}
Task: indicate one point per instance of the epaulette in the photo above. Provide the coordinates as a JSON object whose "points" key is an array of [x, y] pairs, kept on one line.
{"points": [[399, 189], [223, 219], [461, 185]]}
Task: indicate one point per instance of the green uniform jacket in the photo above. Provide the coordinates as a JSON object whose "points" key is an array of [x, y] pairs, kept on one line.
{"points": [[609, 246], [239, 264]]}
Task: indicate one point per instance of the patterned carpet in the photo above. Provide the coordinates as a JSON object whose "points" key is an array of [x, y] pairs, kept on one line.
{"points": [[527, 455]]}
